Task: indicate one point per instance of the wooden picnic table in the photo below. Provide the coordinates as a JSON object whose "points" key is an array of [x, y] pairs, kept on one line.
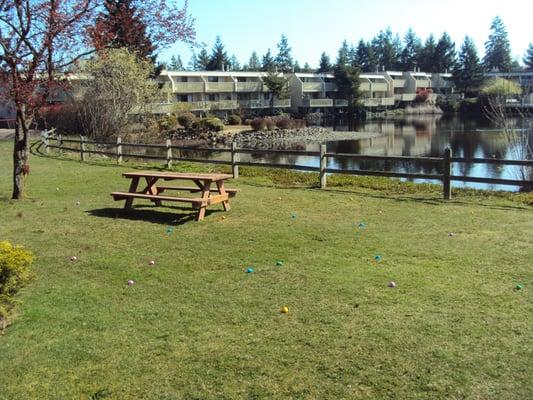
{"points": [[153, 190]]}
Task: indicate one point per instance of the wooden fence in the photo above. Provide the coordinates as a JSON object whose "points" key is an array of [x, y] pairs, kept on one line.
{"points": [[179, 153]]}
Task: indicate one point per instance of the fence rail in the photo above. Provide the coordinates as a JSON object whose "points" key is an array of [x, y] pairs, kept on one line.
{"points": [[178, 155]]}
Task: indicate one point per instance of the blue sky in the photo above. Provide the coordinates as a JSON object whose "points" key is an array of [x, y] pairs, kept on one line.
{"points": [[313, 26]]}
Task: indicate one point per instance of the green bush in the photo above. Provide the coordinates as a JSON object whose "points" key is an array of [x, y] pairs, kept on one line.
{"points": [[234, 120], [258, 124], [168, 123], [15, 272], [186, 120], [210, 124]]}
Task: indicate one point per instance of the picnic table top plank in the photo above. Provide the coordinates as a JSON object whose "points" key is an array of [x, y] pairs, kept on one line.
{"points": [[178, 175]]}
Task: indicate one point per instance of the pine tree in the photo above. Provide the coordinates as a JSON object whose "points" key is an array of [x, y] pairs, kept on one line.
{"points": [[268, 64], [120, 25], [343, 55], [307, 68], [347, 82], [219, 58], [176, 64], [411, 51], [497, 48], [385, 50], [427, 54], [202, 61], [284, 60], [254, 64], [324, 65], [444, 54], [468, 72], [366, 57], [528, 58], [296, 67], [193, 63], [234, 64]]}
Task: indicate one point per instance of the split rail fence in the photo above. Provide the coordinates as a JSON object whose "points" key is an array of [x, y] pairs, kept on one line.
{"points": [[179, 153]]}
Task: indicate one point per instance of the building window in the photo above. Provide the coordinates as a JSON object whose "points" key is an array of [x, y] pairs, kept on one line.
{"points": [[212, 78]]}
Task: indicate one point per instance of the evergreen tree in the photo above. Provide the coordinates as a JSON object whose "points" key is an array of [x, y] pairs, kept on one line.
{"points": [[427, 54], [385, 50], [307, 68], [468, 72], [219, 58], [254, 64], [497, 48], [284, 60], [296, 67], [234, 64], [268, 64], [365, 57], [202, 61], [444, 54], [343, 55], [324, 65], [176, 64], [528, 58], [347, 82], [120, 26], [193, 63], [411, 51]]}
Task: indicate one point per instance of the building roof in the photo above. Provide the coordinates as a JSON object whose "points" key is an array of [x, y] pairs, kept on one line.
{"points": [[250, 74]]}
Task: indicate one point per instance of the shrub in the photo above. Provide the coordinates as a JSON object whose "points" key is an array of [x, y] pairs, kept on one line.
{"points": [[63, 117], [234, 120], [284, 123], [258, 124], [422, 95], [299, 123], [168, 123], [15, 272], [210, 124], [186, 120], [270, 123]]}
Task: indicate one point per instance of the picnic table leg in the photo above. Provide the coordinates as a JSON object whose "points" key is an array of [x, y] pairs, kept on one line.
{"points": [[206, 188], [133, 188], [221, 190], [152, 189]]}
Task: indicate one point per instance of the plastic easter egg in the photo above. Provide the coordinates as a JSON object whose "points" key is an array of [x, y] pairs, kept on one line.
{"points": [[131, 282], [392, 284], [73, 258], [284, 310], [250, 271], [151, 263]]}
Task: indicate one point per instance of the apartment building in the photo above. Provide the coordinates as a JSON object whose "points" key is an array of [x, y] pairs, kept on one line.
{"points": [[213, 91]]}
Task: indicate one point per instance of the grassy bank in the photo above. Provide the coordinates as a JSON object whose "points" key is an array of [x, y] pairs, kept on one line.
{"points": [[196, 326]]}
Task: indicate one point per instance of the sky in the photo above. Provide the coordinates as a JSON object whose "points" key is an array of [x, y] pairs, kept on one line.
{"points": [[314, 26]]}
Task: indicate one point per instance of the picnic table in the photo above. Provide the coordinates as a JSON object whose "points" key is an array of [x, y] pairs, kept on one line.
{"points": [[156, 184]]}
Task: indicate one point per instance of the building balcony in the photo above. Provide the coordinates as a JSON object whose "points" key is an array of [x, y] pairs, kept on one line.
{"points": [[222, 87], [380, 87], [189, 87], [398, 83], [313, 86], [423, 83], [249, 86], [364, 86], [317, 103], [281, 103], [387, 101], [371, 102], [405, 97], [341, 103]]}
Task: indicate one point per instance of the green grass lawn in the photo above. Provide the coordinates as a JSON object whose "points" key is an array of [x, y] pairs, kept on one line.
{"points": [[197, 326]]}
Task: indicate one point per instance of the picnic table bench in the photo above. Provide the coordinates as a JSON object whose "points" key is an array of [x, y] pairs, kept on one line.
{"points": [[154, 192]]}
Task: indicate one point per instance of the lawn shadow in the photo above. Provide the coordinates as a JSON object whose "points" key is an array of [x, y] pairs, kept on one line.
{"points": [[148, 214]]}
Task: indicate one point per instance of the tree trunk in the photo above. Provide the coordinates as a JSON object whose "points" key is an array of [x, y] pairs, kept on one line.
{"points": [[20, 153]]}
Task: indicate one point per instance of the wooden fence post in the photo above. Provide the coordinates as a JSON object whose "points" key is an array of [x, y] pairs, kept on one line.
{"points": [[82, 148], [446, 182], [169, 153], [234, 160], [119, 150], [60, 143], [45, 142], [323, 166]]}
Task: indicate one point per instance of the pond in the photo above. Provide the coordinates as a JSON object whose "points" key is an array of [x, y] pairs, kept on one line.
{"points": [[427, 136]]}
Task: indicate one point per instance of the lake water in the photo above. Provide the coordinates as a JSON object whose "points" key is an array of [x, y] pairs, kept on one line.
{"points": [[426, 136]]}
